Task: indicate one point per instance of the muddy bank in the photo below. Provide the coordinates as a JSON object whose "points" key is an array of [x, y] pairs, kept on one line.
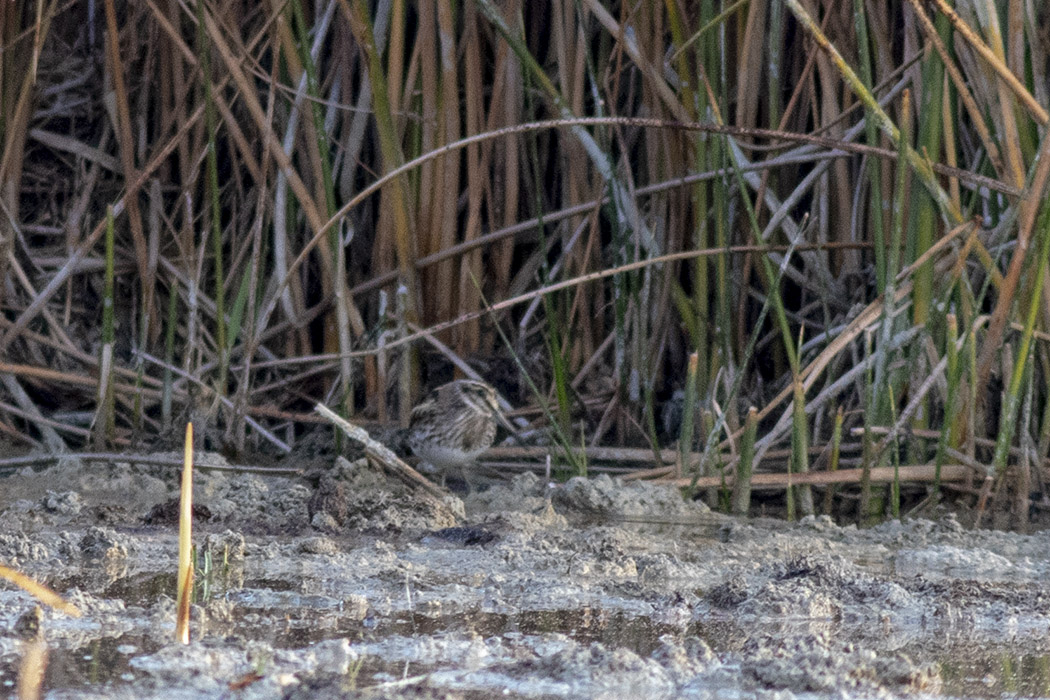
{"points": [[345, 584]]}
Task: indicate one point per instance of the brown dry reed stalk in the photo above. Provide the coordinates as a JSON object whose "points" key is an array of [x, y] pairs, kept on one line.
{"points": [[184, 572], [31, 670]]}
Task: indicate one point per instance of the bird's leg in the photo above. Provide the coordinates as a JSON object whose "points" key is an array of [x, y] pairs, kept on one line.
{"points": [[466, 478]]}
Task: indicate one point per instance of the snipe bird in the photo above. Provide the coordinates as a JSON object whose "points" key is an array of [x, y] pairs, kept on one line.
{"points": [[454, 425]]}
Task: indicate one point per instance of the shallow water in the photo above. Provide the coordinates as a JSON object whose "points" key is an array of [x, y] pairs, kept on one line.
{"points": [[967, 670]]}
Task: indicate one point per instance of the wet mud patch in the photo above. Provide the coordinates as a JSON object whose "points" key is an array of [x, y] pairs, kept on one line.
{"points": [[345, 584]]}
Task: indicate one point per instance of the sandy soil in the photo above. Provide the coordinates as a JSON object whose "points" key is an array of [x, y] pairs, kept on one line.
{"points": [[345, 584]]}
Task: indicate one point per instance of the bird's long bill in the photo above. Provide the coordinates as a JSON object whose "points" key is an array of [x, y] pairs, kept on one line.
{"points": [[502, 420]]}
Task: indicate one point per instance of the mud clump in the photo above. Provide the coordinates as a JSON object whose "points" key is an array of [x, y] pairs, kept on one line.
{"points": [[354, 497], [816, 664], [813, 587], [104, 543], [607, 497]]}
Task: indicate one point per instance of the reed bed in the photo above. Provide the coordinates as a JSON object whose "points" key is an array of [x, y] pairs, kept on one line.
{"points": [[811, 233]]}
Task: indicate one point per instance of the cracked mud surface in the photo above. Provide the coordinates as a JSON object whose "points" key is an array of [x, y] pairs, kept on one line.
{"points": [[348, 585]]}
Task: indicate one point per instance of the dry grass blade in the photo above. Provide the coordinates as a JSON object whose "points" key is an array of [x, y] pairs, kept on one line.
{"points": [[976, 117], [41, 592], [78, 254], [1030, 207], [127, 149], [80, 149], [1003, 71], [31, 670], [184, 572]]}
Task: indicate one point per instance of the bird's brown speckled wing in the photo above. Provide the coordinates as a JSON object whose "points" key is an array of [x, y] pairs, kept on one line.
{"points": [[478, 434], [425, 411]]}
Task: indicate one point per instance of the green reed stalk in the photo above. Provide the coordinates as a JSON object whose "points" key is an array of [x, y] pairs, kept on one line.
{"points": [[895, 487], [871, 135], [578, 463], [718, 157], [867, 441], [712, 442], [559, 367], [323, 154], [555, 328], [357, 14], [741, 499], [833, 461], [924, 223], [799, 463], [685, 434], [240, 304], [924, 218], [952, 376], [918, 163], [972, 374], [708, 423], [800, 441], [108, 334], [1023, 487], [769, 274], [106, 424], [315, 100], [1008, 420], [695, 310], [877, 406]]}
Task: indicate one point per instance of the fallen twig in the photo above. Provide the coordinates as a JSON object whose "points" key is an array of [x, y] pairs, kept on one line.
{"points": [[202, 461], [922, 473], [385, 457]]}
